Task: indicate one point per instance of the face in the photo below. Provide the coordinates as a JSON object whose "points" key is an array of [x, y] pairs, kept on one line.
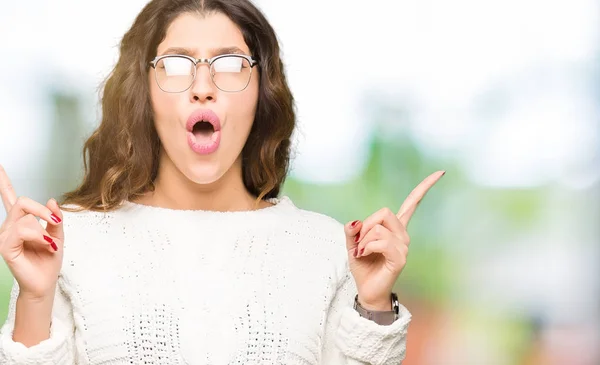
{"points": [[203, 155]]}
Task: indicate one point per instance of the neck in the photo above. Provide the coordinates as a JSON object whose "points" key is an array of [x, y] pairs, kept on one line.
{"points": [[173, 190]]}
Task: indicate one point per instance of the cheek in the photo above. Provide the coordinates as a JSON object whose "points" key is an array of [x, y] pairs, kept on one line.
{"points": [[162, 104], [156, 97], [243, 116], [245, 103]]}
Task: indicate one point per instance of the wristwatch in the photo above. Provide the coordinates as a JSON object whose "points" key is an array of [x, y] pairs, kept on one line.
{"points": [[384, 318]]}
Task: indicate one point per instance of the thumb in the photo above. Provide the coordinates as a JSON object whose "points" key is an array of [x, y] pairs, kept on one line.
{"points": [[55, 230], [352, 229]]}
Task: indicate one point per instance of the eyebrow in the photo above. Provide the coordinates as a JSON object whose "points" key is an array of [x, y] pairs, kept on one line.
{"points": [[214, 52]]}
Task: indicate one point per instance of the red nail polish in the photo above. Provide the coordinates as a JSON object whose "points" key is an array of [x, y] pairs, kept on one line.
{"points": [[355, 251], [353, 224], [51, 242], [55, 218], [357, 238], [362, 250]]}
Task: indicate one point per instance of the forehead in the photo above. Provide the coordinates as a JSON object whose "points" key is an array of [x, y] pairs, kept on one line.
{"points": [[203, 33]]}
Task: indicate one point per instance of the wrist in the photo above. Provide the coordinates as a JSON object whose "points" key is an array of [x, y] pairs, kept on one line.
{"points": [[33, 318], [380, 305], [34, 306], [381, 313], [34, 299]]}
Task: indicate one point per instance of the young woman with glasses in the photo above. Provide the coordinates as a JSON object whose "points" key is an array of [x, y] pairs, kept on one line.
{"points": [[177, 247]]}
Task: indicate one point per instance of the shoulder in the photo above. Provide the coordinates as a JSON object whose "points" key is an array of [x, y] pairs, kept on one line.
{"points": [[76, 218], [86, 228], [318, 232], [310, 221]]}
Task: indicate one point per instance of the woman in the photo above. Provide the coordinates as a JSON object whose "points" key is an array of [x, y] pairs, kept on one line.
{"points": [[176, 248]]}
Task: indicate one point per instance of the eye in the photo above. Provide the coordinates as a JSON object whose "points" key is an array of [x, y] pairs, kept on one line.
{"points": [[230, 64]]}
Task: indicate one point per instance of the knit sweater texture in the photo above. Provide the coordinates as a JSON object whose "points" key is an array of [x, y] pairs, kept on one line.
{"points": [[149, 285]]}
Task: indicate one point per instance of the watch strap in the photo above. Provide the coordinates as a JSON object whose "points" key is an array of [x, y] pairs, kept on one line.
{"points": [[384, 318]]}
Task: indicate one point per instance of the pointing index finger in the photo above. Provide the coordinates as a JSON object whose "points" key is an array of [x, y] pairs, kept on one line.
{"points": [[9, 197], [414, 198]]}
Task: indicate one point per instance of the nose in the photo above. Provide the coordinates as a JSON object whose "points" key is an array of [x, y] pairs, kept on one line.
{"points": [[203, 89]]}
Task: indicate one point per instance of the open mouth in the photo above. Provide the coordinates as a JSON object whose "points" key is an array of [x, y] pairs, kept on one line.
{"points": [[203, 129]]}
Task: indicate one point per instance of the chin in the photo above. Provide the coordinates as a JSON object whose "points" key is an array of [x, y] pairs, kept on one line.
{"points": [[204, 173]]}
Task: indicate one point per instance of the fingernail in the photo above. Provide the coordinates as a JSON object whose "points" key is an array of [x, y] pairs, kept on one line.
{"points": [[357, 238], [353, 224], [443, 173], [55, 218], [362, 250], [355, 251], [51, 242]]}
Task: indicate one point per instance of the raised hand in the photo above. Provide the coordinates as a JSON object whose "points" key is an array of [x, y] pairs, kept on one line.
{"points": [[378, 247], [33, 254]]}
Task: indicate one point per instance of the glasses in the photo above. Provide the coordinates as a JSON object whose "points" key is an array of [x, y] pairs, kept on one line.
{"points": [[229, 72]]}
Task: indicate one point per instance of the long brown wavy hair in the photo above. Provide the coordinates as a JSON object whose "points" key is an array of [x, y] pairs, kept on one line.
{"points": [[121, 156]]}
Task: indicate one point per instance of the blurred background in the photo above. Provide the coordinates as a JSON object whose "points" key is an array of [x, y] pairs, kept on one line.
{"points": [[503, 95]]}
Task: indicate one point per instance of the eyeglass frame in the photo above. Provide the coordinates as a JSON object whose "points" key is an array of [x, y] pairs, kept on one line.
{"points": [[209, 62]]}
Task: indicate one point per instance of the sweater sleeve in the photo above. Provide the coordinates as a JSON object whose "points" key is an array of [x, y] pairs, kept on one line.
{"points": [[58, 349], [352, 340]]}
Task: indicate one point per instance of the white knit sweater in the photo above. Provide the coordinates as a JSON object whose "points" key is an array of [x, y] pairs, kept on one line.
{"points": [[147, 285]]}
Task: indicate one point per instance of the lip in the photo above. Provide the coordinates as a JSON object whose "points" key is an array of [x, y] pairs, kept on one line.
{"points": [[208, 145], [205, 115]]}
